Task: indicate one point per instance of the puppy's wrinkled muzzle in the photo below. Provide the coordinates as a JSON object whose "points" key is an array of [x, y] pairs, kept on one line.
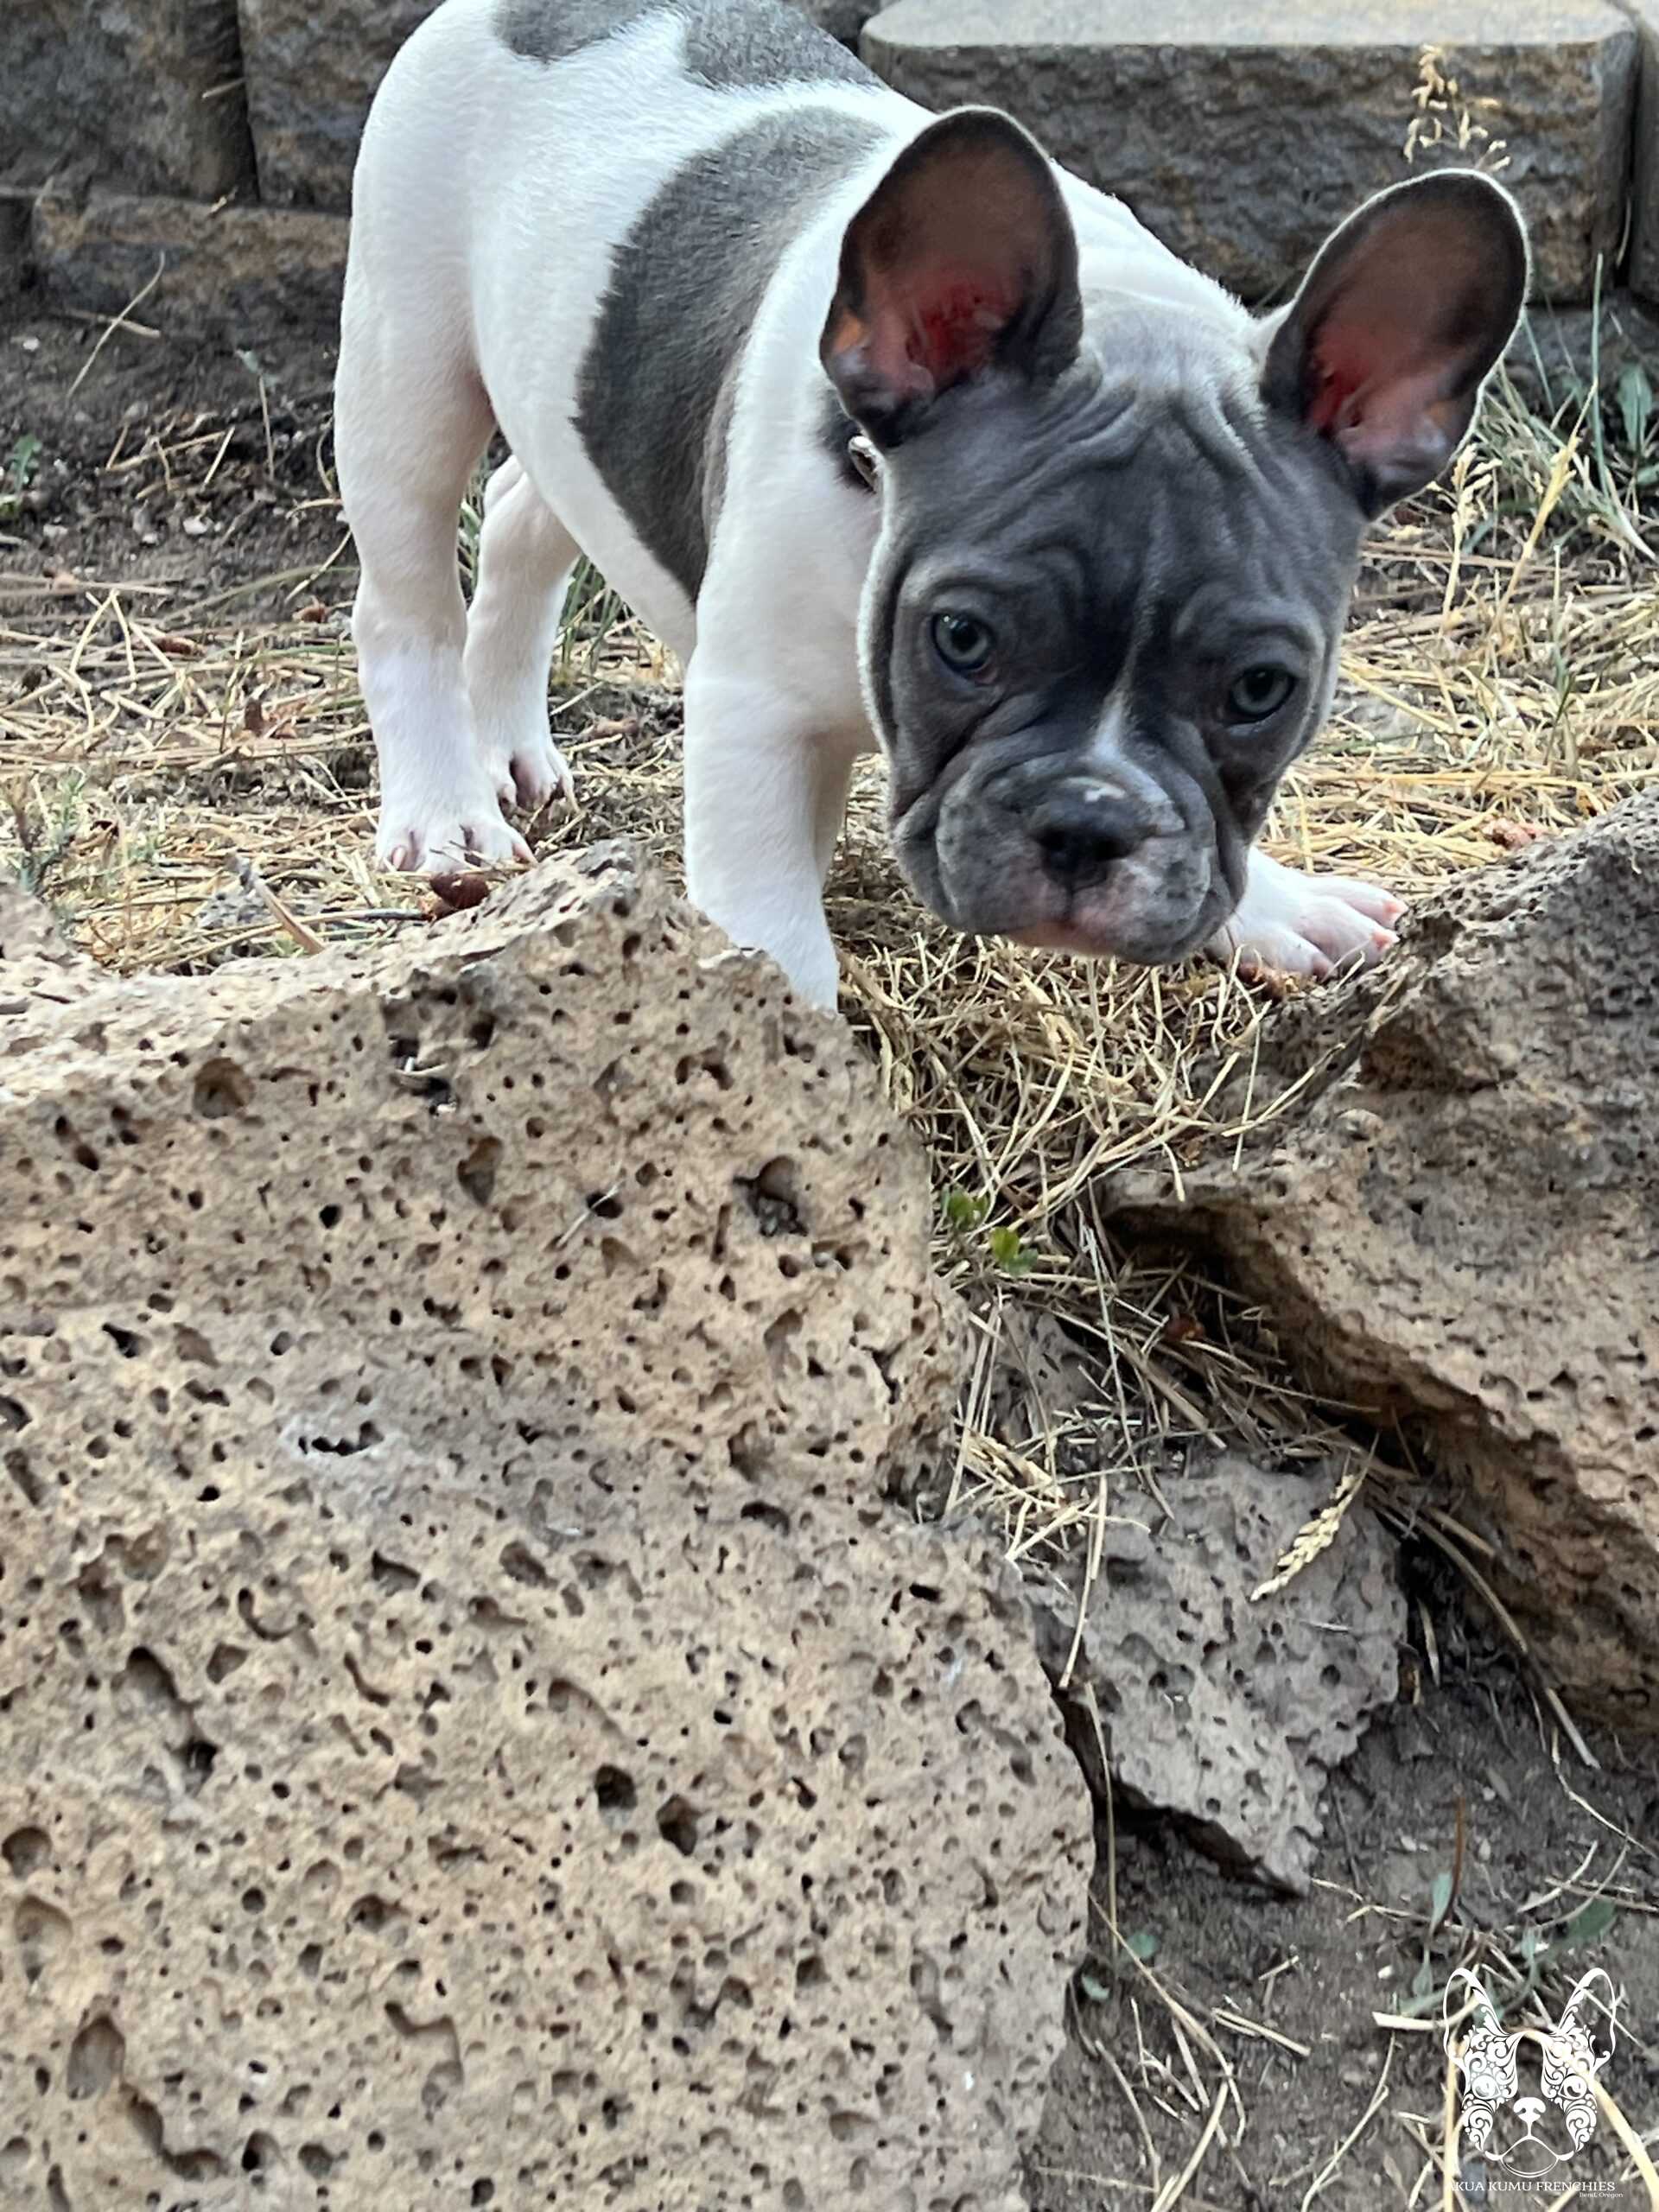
{"points": [[1076, 854], [1084, 827], [1101, 893]]}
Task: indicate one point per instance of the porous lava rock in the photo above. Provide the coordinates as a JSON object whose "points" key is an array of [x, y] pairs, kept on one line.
{"points": [[1197, 1680], [476, 1731], [1222, 1703], [1451, 1208], [35, 965]]}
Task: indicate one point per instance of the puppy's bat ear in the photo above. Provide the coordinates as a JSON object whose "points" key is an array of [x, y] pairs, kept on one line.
{"points": [[1402, 318], [961, 261]]}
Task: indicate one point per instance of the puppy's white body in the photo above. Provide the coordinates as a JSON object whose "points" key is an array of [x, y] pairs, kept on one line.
{"points": [[494, 196]]}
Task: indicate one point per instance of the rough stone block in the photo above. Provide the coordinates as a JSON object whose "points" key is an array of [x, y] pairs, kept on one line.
{"points": [[146, 88], [312, 68], [1240, 134], [476, 1732], [16, 259], [842, 19], [1644, 212], [1455, 1220], [230, 273], [37, 969], [1555, 349]]}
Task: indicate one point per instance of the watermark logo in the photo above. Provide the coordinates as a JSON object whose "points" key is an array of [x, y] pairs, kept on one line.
{"points": [[1521, 2136]]}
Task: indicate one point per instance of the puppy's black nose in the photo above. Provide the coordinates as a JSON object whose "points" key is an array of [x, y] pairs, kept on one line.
{"points": [[1082, 826]]}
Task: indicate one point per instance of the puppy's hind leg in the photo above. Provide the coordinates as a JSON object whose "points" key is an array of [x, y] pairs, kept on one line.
{"points": [[412, 419], [526, 558]]}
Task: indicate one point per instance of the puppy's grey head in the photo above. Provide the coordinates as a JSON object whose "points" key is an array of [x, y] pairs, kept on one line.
{"points": [[1117, 549]]}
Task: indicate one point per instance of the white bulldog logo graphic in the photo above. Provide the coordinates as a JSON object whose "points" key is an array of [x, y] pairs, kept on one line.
{"points": [[1570, 2059]]}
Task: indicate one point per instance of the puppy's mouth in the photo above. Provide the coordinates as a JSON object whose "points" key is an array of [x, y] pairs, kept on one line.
{"points": [[1154, 906], [1145, 934], [1139, 947], [1099, 862]]}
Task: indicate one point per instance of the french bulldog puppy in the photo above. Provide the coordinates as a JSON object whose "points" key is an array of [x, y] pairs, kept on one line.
{"points": [[897, 435]]}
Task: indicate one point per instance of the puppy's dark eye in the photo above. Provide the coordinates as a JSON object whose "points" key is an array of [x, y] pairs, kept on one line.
{"points": [[963, 643], [1259, 693]]}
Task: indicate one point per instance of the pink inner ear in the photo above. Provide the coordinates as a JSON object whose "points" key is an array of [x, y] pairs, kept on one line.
{"points": [[1379, 398], [1344, 366], [941, 329]]}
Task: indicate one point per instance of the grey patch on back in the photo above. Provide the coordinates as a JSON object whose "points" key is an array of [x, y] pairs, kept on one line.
{"points": [[730, 45], [763, 42], [552, 30], [654, 398]]}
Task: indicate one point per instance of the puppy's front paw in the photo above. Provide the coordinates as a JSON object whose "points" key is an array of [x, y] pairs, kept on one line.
{"points": [[1291, 925], [434, 835], [529, 775]]}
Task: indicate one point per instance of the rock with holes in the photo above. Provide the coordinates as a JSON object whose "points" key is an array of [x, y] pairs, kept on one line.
{"points": [[1453, 1213], [476, 1731], [568, 1162], [1224, 1708], [36, 965]]}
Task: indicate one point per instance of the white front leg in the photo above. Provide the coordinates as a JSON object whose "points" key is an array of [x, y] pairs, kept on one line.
{"points": [[764, 794], [1295, 925]]}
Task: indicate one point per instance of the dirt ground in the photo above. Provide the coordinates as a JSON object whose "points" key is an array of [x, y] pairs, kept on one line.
{"points": [[1226, 2050], [1341, 2112], [68, 515]]}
